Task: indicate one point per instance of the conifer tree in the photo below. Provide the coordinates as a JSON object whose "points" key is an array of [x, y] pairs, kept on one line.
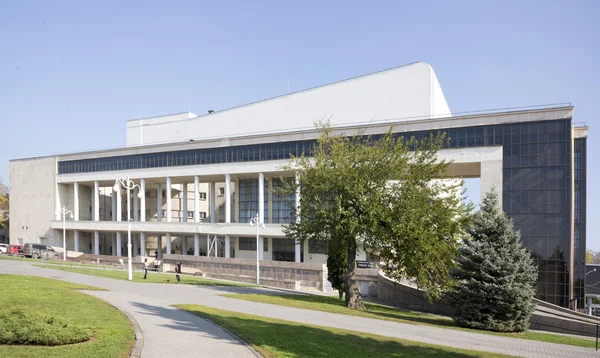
{"points": [[496, 274]]}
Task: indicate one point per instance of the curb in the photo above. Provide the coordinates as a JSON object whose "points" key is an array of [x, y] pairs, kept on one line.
{"points": [[246, 344]]}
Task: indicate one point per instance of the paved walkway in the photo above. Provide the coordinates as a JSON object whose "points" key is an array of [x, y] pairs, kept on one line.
{"points": [[170, 332]]}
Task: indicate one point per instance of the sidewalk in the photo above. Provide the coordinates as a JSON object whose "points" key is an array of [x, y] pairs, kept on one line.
{"points": [[171, 332]]}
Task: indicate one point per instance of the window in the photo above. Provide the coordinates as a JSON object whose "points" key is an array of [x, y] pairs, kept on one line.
{"points": [[164, 213], [317, 247], [190, 214], [202, 196], [248, 243], [222, 208], [203, 215], [221, 191], [265, 244]]}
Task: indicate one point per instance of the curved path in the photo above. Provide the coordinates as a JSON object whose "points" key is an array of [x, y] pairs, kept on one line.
{"points": [[171, 332]]}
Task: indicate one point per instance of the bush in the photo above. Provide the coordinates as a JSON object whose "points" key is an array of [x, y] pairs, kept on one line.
{"points": [[18, 327]]}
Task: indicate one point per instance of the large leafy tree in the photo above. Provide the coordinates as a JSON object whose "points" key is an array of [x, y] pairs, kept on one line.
{"points": [[379, 190], [496, 274]]}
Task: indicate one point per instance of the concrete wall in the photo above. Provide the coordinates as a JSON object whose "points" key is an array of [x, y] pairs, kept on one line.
{"points": [[402, 92], [310, 275], [32, 199]]}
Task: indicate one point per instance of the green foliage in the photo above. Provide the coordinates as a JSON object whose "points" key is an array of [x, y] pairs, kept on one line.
{"points": [[4, 205], [496, 274], [413, 222], [21, 327], [337, 265]]}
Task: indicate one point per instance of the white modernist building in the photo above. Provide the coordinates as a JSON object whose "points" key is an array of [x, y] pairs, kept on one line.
{"points": [[202, 178]]}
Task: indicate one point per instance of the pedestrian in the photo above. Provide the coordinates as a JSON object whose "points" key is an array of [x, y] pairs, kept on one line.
{"points": [[145, 268], [178, 271], [121, 262]]}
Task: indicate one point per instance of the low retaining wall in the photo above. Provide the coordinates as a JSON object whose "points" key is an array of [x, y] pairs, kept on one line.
{"points": [[272, 273], [404, 296]]}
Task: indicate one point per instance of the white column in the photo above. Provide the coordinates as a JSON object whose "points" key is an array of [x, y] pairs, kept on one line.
{"points": [[261, 197], [93, 201], [119, 206], [227, 247], [227, 199], [97, 205], [297, 248], [168, 244], [196, 199], [211, 203], [76, 201], [114, 245], [113, 201], [135, 244], [143, 203], [136, 204], [185, 202], [76, 240], [196, 245], [119, 251], [168, 199], [96, 241], [143, 243], [159, 203], [207, 245], [159, 247]]}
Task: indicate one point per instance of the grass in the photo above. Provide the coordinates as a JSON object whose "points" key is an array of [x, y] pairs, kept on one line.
{"points": [[279, 338], [26, 259], [52, 312], [335, 305], [153, 277]]}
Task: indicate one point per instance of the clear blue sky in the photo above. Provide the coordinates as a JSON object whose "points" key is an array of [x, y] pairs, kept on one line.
{"points": [[72, 72]]}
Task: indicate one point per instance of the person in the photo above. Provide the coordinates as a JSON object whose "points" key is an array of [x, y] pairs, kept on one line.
{"points": [[121, 262], [145, 268], [178, 271]]}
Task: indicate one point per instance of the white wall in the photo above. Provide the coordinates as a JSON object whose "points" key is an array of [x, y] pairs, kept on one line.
{"points": [[403, 92]]}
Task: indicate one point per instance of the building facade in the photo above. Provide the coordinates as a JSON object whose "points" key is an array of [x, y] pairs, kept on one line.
{"points": [[202, 178]]}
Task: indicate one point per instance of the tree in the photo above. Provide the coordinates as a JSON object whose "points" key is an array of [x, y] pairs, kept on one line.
{"points": [[496, 274], [589, 256], [337, 264], [3, 205], [347, 195]]}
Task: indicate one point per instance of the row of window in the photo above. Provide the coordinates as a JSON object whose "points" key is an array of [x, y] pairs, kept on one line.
{"points": [[282, 245]]}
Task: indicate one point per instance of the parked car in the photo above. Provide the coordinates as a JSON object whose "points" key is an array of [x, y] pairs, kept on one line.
{"points": [[38, 250], [3, 248], [15, 250]]}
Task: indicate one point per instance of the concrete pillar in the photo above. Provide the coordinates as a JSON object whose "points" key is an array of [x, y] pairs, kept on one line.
{"points": [[211, 203], [159, 246], [96, 210], [185, 202], [196, 245], [491, 176], [143, 201], [588, 306], [196, 199], [76, 201], [168, 244], [143, 243], [113, 245], [119, 251], [76, 240], [119, 205], [136, 204], [261, 197], [227, 199], [57, 203], [135, 244], [159, 203], [227, 247], [96, 241], [113, 201], [168, 199]]}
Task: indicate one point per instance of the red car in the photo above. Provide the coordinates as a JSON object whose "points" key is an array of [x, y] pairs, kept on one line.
{"points": [[15, 250]]}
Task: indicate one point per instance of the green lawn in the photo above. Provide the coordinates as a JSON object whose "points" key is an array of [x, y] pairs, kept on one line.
{"points": [[279, 338], [153, 277], [50, 311], [26, 259], [335, 305]]}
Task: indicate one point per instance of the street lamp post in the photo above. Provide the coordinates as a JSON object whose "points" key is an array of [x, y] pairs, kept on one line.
{"points": [[64, 211], [128, 185], [256, 220]]}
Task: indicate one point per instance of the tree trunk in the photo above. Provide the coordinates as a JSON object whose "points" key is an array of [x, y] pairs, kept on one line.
{"points": [[341, 293], [353, 296]]}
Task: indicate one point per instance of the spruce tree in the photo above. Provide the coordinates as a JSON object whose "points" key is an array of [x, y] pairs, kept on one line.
{"points": [[496, 274]]}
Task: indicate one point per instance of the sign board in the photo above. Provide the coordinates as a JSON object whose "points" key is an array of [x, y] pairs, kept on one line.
{"points": [[364, 264]]}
